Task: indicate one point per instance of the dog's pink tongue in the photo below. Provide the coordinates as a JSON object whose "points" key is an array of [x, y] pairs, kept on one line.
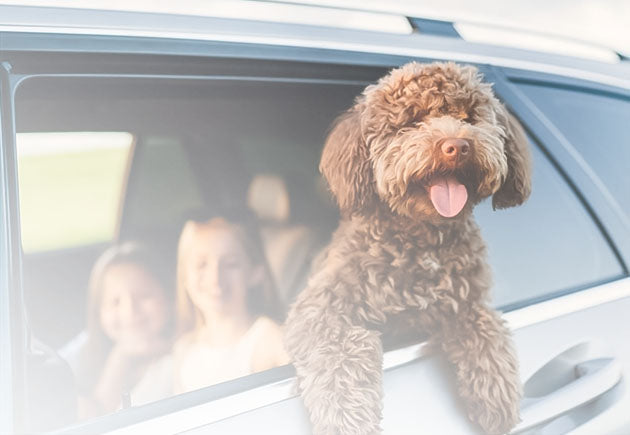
{"points": [[448, 196]]}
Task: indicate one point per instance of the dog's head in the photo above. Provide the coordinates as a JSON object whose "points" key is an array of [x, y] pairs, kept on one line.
{"points": [[430, 141]]}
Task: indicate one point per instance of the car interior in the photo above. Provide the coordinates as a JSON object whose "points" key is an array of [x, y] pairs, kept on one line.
{"points": [[198, 145]]}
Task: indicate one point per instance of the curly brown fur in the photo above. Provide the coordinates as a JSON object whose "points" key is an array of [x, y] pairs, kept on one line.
{"points": [[395, 255]]}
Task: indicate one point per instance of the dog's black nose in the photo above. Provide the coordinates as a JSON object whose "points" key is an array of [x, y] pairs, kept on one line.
{"points": [[455, 147]]}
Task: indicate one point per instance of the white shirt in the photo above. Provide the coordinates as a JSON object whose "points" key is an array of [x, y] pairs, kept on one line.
{"points": [[201, 365]]}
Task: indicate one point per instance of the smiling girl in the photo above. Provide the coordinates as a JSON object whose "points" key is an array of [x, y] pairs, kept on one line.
{"points": [[226, 305], [122, 358]]}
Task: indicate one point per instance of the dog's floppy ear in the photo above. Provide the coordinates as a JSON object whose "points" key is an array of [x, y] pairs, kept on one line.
{"points": [[517, 185], [346, 165]]}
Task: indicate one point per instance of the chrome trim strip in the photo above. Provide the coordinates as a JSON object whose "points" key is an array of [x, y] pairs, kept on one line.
{"points": [[336, 45], [197, 416]]}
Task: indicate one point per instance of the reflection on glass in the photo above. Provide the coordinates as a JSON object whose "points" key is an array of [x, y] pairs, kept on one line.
{"points": [[546, 245]]}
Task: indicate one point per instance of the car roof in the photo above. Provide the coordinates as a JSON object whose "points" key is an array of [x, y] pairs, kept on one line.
{"points": [[350, 30]]}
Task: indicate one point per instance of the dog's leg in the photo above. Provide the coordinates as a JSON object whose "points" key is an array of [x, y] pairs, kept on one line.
{"points": [[478, 343], [339, 368]]}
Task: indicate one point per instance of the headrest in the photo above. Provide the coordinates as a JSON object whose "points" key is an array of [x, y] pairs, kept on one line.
{"points": [[268, 198]]}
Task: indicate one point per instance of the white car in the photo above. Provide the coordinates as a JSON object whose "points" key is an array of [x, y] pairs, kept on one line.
{"points": [[116, 124]]}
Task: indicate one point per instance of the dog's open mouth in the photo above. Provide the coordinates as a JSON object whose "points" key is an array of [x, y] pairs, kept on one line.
{"points": [[447, 195]]}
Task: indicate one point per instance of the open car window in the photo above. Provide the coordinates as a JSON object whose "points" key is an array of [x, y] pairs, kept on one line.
{"points": [[251, 146], [195, 149]]}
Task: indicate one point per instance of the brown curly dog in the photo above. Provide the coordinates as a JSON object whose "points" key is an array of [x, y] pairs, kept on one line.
{"points": [[407, 164]]}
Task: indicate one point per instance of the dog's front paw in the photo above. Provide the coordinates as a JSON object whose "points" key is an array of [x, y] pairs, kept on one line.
{"points": [[495, 405]]}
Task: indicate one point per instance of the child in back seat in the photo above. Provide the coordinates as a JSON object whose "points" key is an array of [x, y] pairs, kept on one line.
{"points": [[123, 356], [227, 307]]}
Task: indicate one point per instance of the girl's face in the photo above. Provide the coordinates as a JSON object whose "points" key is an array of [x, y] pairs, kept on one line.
{"points": [[219, 272], [134, 309]]}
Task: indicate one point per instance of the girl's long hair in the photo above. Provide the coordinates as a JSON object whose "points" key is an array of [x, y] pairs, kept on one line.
{"points": [[94, 353], [262, 299]]}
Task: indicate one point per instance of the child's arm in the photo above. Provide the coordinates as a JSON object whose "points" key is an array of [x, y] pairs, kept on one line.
{"points": [[114, 380]]}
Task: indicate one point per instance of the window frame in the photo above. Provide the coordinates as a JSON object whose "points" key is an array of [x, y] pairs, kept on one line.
{"points": [[295, 60], [6, 352]]}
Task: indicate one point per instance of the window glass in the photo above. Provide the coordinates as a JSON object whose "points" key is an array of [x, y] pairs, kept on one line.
{"points": [[597, 126], [70, 187], [546, 246]]}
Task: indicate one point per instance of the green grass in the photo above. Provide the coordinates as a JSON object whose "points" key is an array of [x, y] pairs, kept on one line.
{"points": [[70, 199]]}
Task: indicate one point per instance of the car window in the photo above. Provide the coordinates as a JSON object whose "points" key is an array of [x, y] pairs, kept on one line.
{"points": [[596, 124], [80, 207], [547, 246]]}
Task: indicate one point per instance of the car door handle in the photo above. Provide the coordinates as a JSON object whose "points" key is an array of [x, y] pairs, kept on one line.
{"points": [[593, 378]]}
